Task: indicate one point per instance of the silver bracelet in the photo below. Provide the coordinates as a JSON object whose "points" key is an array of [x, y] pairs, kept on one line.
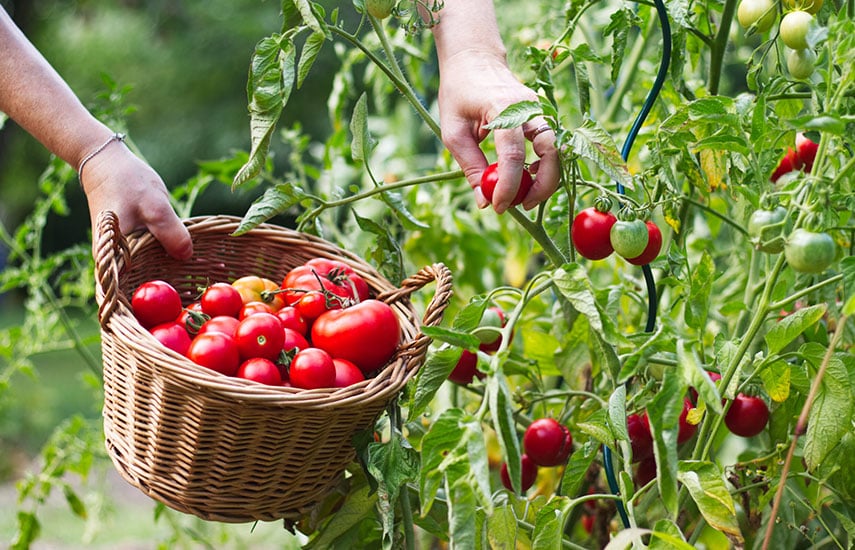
{"points": [[115, 137]]}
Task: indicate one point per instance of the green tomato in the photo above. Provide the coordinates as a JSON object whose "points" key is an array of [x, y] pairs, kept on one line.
{"points": [[381, 9], [758, 13], [801, 63], [629, 238], [794, 29], [810, 252], [765, 226]]}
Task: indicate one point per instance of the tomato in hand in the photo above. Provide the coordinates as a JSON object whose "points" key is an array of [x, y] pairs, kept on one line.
{"points": [[466, 369], [528, 471], [747, 415], [216, 351], [654, 245], [547, 442], [260, 335], [809, 252], [490, 177], [629, 237], [221, 299], [312, 368], [346, 373], [591, 233], [155, 302], [173, 335], [366, 334], [640, 437], [261, 370]]}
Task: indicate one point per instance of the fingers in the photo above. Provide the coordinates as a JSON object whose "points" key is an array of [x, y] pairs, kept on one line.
{"points": [[469, 156], [511, 152]]}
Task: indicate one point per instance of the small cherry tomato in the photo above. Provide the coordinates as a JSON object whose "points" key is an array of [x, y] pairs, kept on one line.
{"points": [[313, 303], [490, 177], [640, 437], [261, 370], [155, 302], [192, 318], [259, 289], [654, 245], [225, 324], [491, 341], [747, 415], [466, 369], [801, 64], [809, 252], [794, 29], [547, 442], [346, 373], [629, 237], [766, 227], [760, 13], [590, 233], [260, 335], [251, 308], [294, 340], [645, 472], [221, 299], [216, 351], [291, 318], [312, 368], [172, 335], [528, 471]]}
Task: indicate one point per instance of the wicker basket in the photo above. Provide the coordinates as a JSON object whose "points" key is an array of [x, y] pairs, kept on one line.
{"points": [[223, 448]]}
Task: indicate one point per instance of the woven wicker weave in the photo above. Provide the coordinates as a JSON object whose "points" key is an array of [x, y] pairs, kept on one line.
{"points": [[219, 447]]}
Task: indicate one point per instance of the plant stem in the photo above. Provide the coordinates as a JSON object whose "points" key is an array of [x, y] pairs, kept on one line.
{"points": [[556, 257], [718, 47]]}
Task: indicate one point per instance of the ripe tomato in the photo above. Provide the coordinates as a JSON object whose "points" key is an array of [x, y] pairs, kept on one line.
{"points": [[366, 334], [260, 370], [747, 415], [216, 351], [293, 340], [629, 237], [654, 245], [646, 471], [260, 335], [806, 151], [788, 163], [192, 318], [173, 335], [765, 226], [801, 64], [312, 368], [547, 442], [221, 299], [794, 29], [685, 431], [259, 289], [224, 324], [588, 523], [155, 302], [809, 252], [323, 274], [346, 373], [528, 474], [760, 13], [251, 308], [313, 303], [590, 233], [490, 177], [640, 437], [291, 318], [466, 369]]}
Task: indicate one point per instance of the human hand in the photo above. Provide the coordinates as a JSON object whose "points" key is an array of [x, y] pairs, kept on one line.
{"points": [[116, 179], [475, 87]]}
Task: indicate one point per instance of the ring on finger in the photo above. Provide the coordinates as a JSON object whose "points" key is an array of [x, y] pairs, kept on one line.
{"points": [[537, 131]]}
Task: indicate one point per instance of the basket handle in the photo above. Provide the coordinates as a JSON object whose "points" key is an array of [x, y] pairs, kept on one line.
{"points": [[111, 258], [442, 295]]}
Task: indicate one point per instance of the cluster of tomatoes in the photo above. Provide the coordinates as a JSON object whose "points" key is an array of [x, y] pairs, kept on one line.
{"points": [[794, 29], [746, 417], [597, 233], [319, 328], [546, 443]]}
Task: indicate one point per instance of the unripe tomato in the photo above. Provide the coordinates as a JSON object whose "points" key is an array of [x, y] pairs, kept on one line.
{"points": [[490, 177], [259, 289], [312, 368], [747, 415], [809, 252], [591, 233], [381, 9], [490, 341], [261, 370], [760, 13], [155, 302], [528, 474], [654, 245], [794, 29], [547, 442], [810, 6], [765, 227], [800, 63], [629, 237]]}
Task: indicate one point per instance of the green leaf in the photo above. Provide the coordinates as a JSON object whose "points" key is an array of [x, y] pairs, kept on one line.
{"points": [[549, 524], [830, 414], [667, 528], [707, 488], [358, 505], [399, 207], [432, 375], [575, 473], [308, 55], [452, 336], [617, 413], [847, 268], [723, 142], [308, 15], [776, 380], [790, 327], [515, 115], [697, 377], [603, 355], [462, 517], [386, 255], [275, 200], [393, 465], [593, 142], [573, 284], [502, 528], [74, 502], [597, 426], [361, 143], [664, 415], [700, 287]]}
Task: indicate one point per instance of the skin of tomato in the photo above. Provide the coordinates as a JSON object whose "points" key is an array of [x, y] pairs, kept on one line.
{"points": [[763, 227], [225, 324], [294, 340], [251, 308], [528, 471], [466, 369], [253, 288], [366, 334], [156, 302], [346, 373], [640, 437], [806, 150], [590, 233], [312, 368], [216, 351], [761, 13], [809, 252], [801, 65], [491, 316], [654, 246], [547, 442], [313, 303], [629, 237], [290, 317], [261, 370], [490, 177], [221, 299], [794, 29], [788, 163], [260, 335], [747, 415], [172, 335]]}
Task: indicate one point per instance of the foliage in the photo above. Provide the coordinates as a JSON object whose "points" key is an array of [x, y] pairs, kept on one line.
{"points": [[585, 342]]}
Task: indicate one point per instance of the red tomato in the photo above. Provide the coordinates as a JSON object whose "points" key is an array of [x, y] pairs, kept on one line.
{"points": [[322, 274], [172, 335], [654, 245], [251, 308], [312, 368], [224, 324], [528, 471], [313, 303], [788, 163], [466, 369], [366, 334], [640, 437], [260, 335], [294, 340], [216, 351], [490, 177], [646, 471], [806, 151], [155, 302], [192, 318], [260, 370], [747, 415], [588, 523], [547, 442], [291, 318], [221, 299], [685, 431], [591, 233], [494, 317], [346, 373]]}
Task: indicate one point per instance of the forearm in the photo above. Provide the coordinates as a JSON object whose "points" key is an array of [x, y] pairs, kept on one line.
{"points": [[468, 26], [37, 98]]}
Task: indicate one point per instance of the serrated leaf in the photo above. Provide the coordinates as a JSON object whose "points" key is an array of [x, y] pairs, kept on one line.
{"points": [[392, 465], [502, 412], [592, 142], [576, 470], [707, 488], [275, 200], [830, 414], [514, 115], [664, 415], [386, 255], [502, 528], [597, 426], [308, 15], [549, 524], [790, 327], [776, 380]]}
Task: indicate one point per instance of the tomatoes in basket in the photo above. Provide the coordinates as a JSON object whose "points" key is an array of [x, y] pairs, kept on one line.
{"points": [[221, 299], [155, 302], [216, 351], [260, 335], [253, 288], [346, 373], [172, 335], [333, 276], [259, 369], [312, 368], [366, 334], [225, 324], [291, 318]]}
